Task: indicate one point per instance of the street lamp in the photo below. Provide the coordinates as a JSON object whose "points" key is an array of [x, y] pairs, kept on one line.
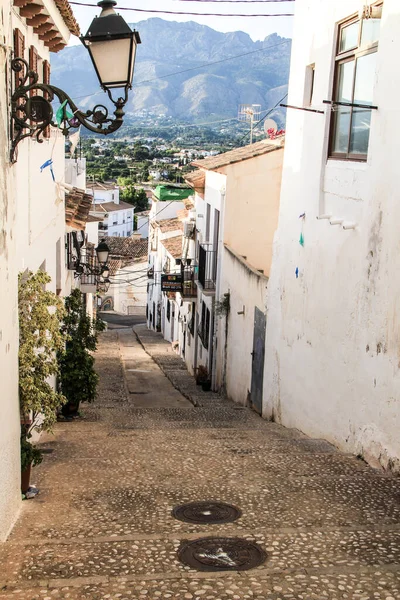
{"points": [[105, 271], [102, 252], [112, 48]]}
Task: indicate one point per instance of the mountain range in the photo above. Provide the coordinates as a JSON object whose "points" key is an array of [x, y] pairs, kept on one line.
{"points": [[171, 77]]}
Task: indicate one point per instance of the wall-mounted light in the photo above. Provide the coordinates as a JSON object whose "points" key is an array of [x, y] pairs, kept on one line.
{"points": [[112, 47], [102, 252]]}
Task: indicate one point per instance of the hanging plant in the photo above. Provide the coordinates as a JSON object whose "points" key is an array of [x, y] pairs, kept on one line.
{"points": [[222, 306], [40, 339]]}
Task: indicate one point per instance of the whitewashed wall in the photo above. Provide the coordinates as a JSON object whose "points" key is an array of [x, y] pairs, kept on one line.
{"points": [[10, 469], [333, 343], [143, 225], [247, 289], [40, 209], [100, 196], [128, 296], [21, 230], [75, 172], [164, 210], [121, 222], [214, 195]]}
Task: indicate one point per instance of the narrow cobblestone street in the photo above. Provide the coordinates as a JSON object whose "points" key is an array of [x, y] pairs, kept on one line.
{"points": [[102, 527]]}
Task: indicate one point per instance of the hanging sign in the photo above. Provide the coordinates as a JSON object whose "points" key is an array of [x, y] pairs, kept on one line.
{"points": [[172, 282]]}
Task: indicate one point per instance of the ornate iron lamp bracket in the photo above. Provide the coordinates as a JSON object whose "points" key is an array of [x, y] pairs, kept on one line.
{"points": [[32, 113]]}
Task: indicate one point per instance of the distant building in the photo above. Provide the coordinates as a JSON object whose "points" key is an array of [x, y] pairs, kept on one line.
{"points": [[117, 217], [128, 274]]}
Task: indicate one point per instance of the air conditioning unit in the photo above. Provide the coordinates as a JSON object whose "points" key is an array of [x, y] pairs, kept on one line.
{"points": [[188, 229]]}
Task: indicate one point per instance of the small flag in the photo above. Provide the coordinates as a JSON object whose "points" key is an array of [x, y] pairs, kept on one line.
{"points": [[63, 114], [48, 163]]}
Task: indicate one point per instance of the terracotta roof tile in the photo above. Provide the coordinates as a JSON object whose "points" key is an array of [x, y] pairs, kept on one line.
{"points": [[173, 245], [114, 264], [77, 207], [182, 214], [102, 185], [196, 180], [94, 219], [127, 248], [69, 19], [170, 225], [239, 154], [112, 206]]}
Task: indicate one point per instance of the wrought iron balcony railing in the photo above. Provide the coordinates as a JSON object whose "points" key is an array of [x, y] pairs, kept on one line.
{"points": [[207, 266], [189, 288]]}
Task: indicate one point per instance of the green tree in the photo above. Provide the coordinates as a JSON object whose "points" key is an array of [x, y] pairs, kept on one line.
{"points": [[136, 197], [40, 339], [78, 379]]}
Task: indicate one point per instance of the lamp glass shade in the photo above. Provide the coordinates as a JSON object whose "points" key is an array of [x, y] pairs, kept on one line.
{"points": [[113, 61], [112, 47], [102, 252]]}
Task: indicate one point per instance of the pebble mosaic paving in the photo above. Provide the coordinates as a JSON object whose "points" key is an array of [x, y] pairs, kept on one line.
{"points": [[102, 526]]}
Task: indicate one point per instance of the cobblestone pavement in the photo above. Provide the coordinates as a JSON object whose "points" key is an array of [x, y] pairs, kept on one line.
{"points": [[102, 527]]}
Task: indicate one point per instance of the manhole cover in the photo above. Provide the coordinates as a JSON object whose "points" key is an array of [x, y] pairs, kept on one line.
{"points": [[206, 512], [221, 554]]}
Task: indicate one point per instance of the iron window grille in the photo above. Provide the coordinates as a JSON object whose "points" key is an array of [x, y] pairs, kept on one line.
{"points": [[204, 327], [207, 266]]}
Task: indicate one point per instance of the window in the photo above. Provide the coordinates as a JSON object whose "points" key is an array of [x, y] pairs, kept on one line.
{"points": [[208, 217], [33, 64], [354, 84], [168, 310], [204, 328]]}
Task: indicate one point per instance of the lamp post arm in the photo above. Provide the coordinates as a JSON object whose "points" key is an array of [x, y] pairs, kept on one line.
{"points": [[31, 113]]}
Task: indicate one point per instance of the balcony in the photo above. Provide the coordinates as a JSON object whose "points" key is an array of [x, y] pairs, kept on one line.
{"points": [[189, 288], [207, 267]]}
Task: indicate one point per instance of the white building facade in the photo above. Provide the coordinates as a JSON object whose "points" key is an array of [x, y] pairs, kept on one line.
{"points": [[332, 364], [32, 216]]}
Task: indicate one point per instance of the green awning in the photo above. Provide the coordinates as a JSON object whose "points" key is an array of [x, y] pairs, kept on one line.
{"points": [[168, 193]]}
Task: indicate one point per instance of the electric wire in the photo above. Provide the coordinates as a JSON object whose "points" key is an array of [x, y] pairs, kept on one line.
{"points": [[196, 14], [202, 66]]}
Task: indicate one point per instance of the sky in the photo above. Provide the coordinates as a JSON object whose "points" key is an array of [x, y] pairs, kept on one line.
{"points": [[257, 27]]}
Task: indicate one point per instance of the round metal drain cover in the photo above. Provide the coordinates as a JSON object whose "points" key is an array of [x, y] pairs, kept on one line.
{"points": [[221, 554], [206, 513]]}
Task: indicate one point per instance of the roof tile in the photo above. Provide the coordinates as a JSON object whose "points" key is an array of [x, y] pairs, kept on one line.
{"points": [[239, 154], [69, 19], [166, 225], [127, 248], [77, 207], [173, 245]]}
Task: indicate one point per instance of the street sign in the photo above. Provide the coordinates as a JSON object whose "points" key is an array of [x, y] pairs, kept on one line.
{"points": [[172, 282]]}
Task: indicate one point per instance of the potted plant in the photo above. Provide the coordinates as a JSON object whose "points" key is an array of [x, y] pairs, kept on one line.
{"points": [[78, 379], [40, 313], [30, 457], [201, 375]]}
